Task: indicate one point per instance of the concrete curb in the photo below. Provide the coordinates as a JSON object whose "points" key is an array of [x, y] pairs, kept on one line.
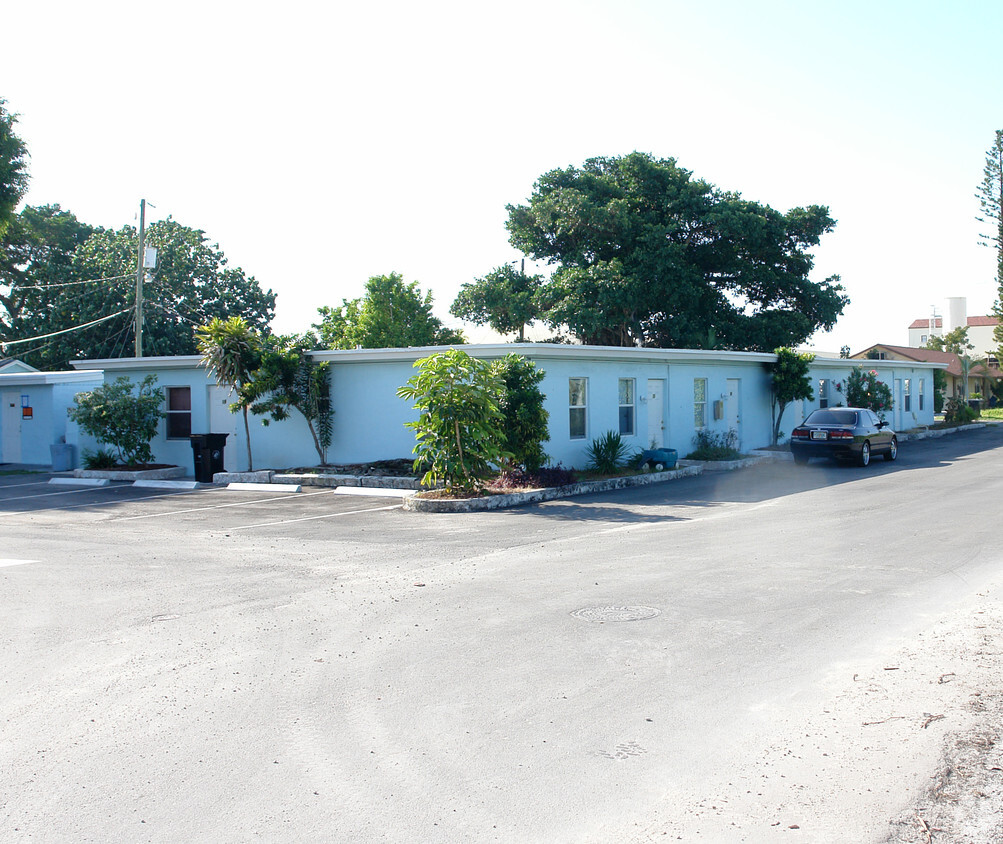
{"points": [[154, 484], [934, 433], [731, 465], [534, 496], [253, 487]]}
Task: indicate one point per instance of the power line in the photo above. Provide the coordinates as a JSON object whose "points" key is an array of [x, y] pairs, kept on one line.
{"points": [[8, 343], [14, 287]]}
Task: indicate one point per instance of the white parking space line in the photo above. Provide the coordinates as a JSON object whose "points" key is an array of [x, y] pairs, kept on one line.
{"points": [[5, 563], [285, 498], [314, 518], [62, 507], [374, 491], [16, 486]]}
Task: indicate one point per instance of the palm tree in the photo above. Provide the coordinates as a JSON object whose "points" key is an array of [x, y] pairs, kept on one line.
{"points": [[231, 351]]}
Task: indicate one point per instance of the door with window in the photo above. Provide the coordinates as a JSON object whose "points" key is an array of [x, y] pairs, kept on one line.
{"points": [[656, 412]]}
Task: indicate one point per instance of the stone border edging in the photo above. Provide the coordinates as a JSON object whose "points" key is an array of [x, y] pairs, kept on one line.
{"points": [[269, 476], [145, 475], [534, 496], [933, 433]]}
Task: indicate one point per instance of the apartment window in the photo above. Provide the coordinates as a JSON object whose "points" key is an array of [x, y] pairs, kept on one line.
{"points": [[907, 395], [626, 392], [699, 402], [922, 339], [823, 392], [179, 413], [577, 405]]}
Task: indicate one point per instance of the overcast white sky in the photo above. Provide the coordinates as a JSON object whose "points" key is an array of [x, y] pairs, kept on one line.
{"points": [[322, 143]]}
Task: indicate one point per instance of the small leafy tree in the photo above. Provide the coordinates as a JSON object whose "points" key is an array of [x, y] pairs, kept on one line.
{"points": [[524, 418], [288, 378], [231, 350], [790, 382], [505, 299], [863, 389], [127, 421], [460, 429]]}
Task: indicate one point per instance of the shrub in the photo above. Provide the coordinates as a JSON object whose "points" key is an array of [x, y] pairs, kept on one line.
{"points": [[957, 412], [459, 430], [715, 445], [607, 453], [524, 418], [127, 422], [100, 459], [863, 389]]}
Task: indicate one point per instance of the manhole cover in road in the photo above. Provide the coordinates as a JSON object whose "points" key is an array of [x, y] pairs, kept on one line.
{"points": [[615, 613]]}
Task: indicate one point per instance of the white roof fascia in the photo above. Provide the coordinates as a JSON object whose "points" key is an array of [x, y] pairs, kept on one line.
{"points": [[544, 351], [33, 378], [164, 362], [540, 351]]}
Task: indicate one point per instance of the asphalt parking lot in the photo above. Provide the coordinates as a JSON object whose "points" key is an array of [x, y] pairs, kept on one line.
{"points": [[223, 665], [216, 508]]}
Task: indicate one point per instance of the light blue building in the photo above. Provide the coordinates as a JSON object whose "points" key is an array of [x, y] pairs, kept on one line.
{"points": [[652, 397]]}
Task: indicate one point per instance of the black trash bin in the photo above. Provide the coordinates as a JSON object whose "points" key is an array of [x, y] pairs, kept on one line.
{"points": [[207, 449]]}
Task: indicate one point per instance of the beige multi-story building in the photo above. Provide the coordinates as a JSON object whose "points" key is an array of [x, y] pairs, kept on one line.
{"points": [[980, 328]]}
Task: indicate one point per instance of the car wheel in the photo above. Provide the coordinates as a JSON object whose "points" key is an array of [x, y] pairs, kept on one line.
{"points": [[893, 450], [800, 460], [865, 454]]}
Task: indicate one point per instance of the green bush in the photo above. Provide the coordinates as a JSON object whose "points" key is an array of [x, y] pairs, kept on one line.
{"points": [[524, 418], [957, 412], [100, 459], [715, 445], [116, 417], [459, 431], [863, 389], [607, 453]]}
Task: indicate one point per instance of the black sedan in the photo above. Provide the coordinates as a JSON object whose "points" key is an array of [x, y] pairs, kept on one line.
{"points": [[850, 433]]}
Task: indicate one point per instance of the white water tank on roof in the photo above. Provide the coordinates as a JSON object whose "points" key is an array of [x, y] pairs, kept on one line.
{"points": [[957, 313]]}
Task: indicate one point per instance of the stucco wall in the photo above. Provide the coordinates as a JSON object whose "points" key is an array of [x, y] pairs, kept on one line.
{"points": [[369, 418]]}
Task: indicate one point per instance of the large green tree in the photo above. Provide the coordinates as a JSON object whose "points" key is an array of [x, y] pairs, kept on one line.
{"points": [[13, 167], [38, 284], [990, 197], [391, 314], [647, 255], [505, 299], [65, 283]]}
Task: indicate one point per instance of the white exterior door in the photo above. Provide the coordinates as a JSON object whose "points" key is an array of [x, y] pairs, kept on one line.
{"points": [[656, 412], [221, 421], [732, 406], [10, 433]]}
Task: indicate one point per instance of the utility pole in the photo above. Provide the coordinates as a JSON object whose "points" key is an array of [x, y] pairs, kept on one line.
{"points": [[139, 279]]}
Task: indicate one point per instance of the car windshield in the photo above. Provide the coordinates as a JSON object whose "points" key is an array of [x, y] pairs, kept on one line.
{"points": [[832, 417]]}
